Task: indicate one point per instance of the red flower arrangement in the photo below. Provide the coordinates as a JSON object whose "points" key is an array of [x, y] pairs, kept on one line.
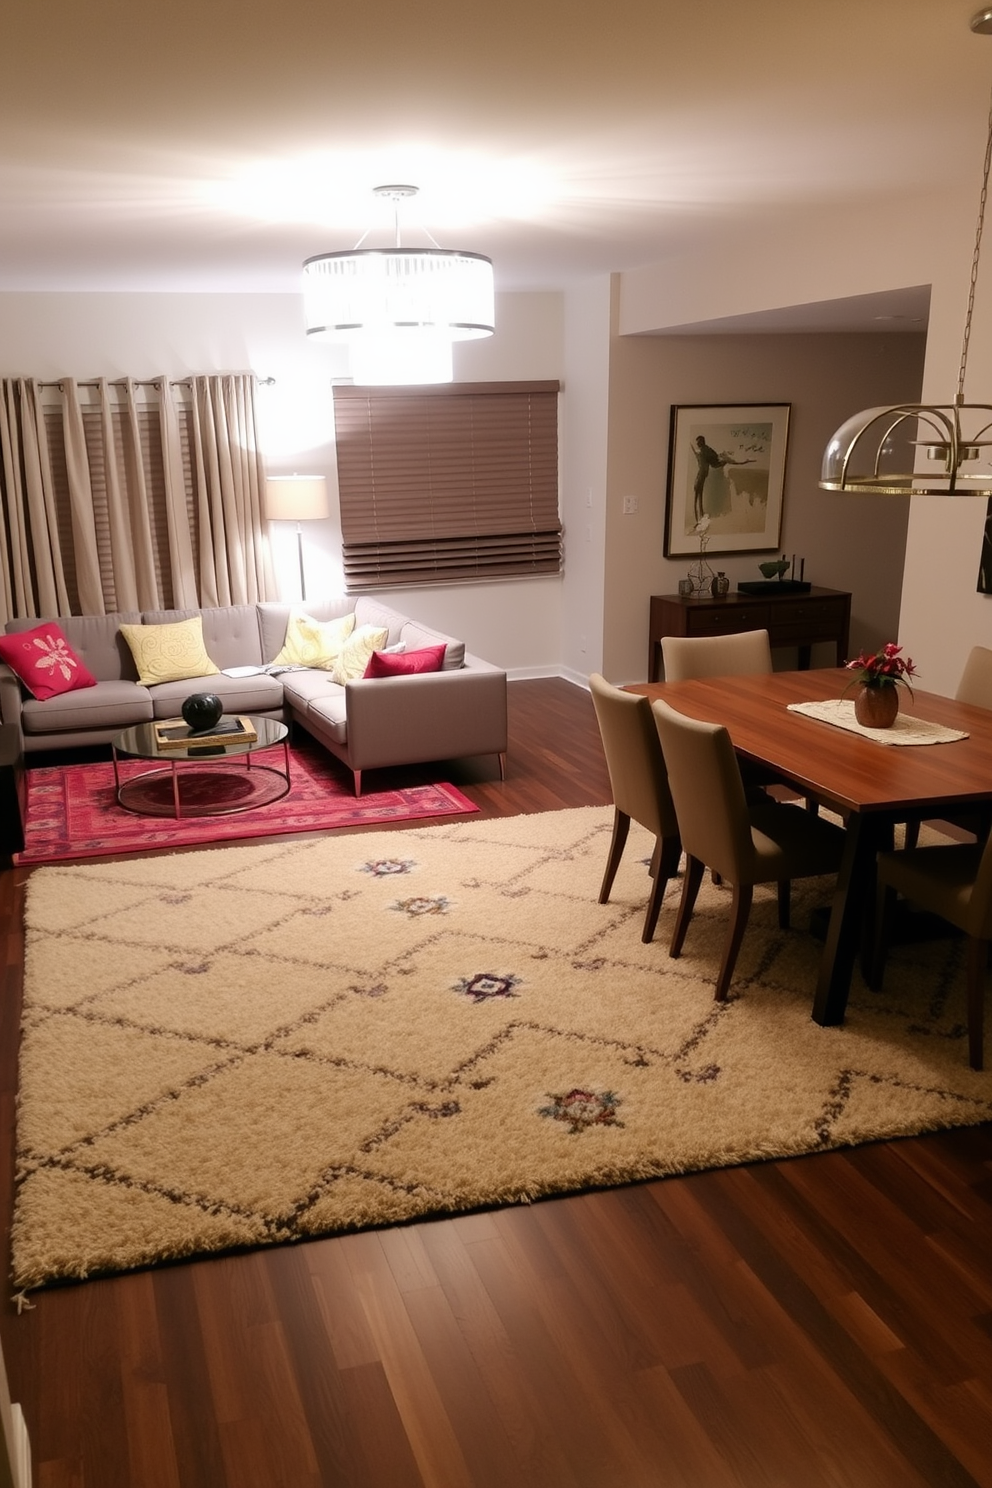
{"points": [[883, 668]]}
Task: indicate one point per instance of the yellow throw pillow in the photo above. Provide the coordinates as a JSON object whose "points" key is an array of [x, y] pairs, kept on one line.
{"points": [[169, 653], [314, 643], [356, 651]]}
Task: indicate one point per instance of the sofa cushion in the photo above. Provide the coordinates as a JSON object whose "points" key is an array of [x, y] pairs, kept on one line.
{"points": [[258, 694], [405, 663], [169, 653], [329, 708], [357, 651], [300, 688], [372, 612], [273, 620], [417, 637], [107, 705], [314, 643], [44, 661], [96, 640]]}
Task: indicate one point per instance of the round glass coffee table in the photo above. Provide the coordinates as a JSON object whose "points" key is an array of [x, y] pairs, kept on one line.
{"points": [[196, 777]]}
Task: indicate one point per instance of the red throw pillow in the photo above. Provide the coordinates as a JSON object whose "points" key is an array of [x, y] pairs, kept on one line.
{"points": [[44, 661], [404, 663]]}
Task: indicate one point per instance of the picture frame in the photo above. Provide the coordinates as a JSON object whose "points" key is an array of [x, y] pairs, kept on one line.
{"points": [[726, 463]]}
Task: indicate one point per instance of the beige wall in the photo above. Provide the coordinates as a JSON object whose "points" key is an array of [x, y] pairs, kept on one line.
{"points": [[142, 335], [583, 503], [887, 245], [851, 543]]}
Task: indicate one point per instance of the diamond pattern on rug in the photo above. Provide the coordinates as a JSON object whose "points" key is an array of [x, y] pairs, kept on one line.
{"points": [[267, 1043]]}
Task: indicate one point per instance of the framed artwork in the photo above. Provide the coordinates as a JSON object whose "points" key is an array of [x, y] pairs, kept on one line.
{"points": [[726, 478], [984, 585]]}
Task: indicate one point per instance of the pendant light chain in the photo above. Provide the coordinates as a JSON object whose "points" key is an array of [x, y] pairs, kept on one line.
{"points": [[974, 262]]}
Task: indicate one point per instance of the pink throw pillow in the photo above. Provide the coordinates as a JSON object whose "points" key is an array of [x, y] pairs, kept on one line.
{"points": [[404, 663], [44, 661]]}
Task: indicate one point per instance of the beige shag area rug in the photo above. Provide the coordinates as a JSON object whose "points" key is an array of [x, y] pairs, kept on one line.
{"points": [[260, 1044]]}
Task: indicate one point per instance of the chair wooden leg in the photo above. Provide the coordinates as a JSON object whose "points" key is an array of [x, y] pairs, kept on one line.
{"points": [[621, 826], [740, 909], [784, 902], [665, 866], [690, 888], [978, 957]]}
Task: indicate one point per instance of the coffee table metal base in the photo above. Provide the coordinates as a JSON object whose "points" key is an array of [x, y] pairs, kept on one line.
{"points": [[136, 793]]}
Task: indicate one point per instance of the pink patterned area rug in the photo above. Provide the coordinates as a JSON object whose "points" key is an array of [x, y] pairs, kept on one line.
{"points": [[72, 811]]}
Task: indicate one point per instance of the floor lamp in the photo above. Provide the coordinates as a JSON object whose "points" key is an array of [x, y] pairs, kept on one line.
{"points": [[296, 498]]}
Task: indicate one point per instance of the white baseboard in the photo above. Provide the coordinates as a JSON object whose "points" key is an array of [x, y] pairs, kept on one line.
{"points": [[528, 674]]}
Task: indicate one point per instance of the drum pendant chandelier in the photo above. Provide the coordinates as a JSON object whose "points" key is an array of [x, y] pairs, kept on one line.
{"points": [[399, 309], [881, 450]]}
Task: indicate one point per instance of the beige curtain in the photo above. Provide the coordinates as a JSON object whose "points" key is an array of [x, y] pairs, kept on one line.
{"points": [[111, 502], [32, 575], [229, 479]]}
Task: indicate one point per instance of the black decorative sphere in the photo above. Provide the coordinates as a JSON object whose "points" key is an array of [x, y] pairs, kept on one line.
{"points": [[202, 711]]}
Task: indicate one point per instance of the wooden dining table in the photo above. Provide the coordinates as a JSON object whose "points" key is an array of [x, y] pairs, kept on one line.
{"points": [[871, 784]]}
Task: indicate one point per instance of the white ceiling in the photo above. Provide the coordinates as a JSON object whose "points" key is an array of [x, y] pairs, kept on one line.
{"points": [[215, 145]]}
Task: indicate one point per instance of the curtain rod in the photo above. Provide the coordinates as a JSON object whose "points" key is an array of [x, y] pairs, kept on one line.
{"points": [[141, 382]]}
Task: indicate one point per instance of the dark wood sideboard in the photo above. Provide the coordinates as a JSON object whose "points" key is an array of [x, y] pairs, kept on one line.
{"points": [[790, 619]]}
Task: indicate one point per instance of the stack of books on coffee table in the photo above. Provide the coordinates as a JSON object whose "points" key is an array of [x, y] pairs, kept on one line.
{"points": [[175, 733]]}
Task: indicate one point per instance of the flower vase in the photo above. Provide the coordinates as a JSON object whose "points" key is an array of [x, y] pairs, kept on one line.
{"points": [[876, 707]]}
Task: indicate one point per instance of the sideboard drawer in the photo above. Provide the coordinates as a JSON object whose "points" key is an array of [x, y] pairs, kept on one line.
{"points": [[715, 620], [793, 619], [818, 619]]}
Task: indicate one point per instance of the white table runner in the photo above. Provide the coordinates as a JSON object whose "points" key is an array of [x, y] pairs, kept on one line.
{"points": [[905, 730]]}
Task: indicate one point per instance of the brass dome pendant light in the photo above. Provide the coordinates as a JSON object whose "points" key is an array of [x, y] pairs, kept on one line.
{"points": [[869, 453]]}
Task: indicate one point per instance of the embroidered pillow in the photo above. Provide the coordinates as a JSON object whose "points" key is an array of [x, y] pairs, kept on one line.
{"points": [[45, 662], [169, 653], [427, 659], [357, 651], [314, 643]]}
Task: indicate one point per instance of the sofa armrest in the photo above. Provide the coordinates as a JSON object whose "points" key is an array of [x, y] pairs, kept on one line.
{"points": [[10, 698], [433, 715]]}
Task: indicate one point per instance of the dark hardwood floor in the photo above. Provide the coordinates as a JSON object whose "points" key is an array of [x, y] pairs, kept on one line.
{"points": [[824, 1322]]}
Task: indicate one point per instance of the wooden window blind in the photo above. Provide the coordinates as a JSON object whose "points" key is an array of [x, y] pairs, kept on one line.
{"points": [[447, 484]]}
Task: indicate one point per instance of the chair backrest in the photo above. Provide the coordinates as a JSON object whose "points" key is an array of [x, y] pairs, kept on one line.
{"points": [[716, 656], [976, 679], [705, 780], [634, 759]]}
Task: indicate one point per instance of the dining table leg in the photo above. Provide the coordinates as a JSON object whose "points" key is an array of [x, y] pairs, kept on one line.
{"points": [[865, 833]]}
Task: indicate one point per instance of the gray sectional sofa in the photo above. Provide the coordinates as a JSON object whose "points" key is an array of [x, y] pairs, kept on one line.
{"points": [[367, 723]]}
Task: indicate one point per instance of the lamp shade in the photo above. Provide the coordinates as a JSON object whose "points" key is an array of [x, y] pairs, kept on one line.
{"points": [[401, 357], [377, 291], [295, 498]]}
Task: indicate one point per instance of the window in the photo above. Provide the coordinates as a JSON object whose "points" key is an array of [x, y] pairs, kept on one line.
{"points": [[448, 484]]}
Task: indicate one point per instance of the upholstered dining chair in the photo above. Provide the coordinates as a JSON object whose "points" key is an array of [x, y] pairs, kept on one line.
{"points": [[744, 842], [640, 789], [953, 882], [975, 686], [748, 652]]}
